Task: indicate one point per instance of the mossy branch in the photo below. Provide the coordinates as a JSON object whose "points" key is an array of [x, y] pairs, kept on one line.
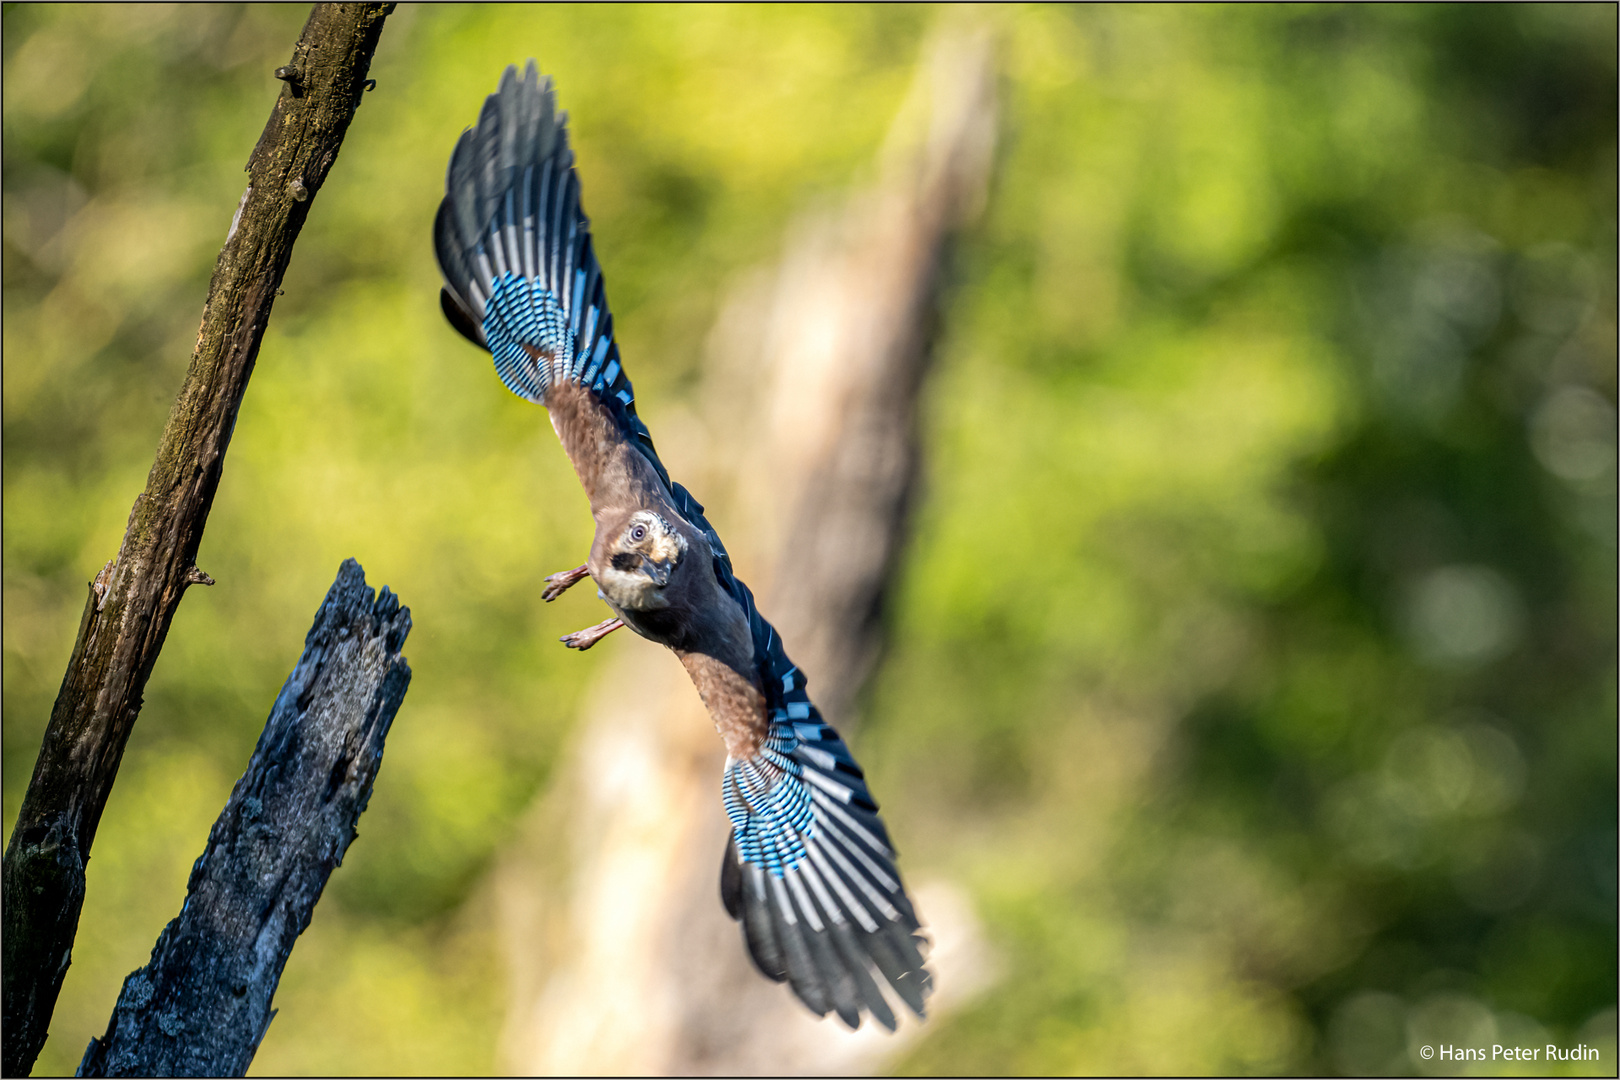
{"points": [[133, 599]]}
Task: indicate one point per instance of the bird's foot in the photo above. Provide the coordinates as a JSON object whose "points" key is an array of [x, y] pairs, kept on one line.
{"points": [[562, 581], [584, 639]]}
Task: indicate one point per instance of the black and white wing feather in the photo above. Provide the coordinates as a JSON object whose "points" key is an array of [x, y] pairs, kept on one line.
{"points": [[809, 870]]}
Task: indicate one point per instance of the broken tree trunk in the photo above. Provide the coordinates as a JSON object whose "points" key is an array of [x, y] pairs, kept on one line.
{"points": [[133, 599], [202, 1005]]}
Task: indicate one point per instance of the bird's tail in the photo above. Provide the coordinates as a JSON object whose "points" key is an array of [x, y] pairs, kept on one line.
{"points": [[515, 248]]}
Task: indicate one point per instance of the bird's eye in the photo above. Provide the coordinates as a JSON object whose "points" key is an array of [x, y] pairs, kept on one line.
{"points": [[638, 533]]}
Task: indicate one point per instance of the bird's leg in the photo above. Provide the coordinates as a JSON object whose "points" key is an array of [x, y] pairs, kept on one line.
{"points": [[584, 639], [562, 581]]}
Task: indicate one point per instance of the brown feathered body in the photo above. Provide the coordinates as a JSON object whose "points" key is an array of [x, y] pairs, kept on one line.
{"points": [[691, 614]]}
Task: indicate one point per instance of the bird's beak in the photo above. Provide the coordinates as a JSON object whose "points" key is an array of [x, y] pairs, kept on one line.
{"points": [[658, 571]]}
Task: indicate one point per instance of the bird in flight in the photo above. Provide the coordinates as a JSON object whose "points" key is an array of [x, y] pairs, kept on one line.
{"points": [[809, 870]]}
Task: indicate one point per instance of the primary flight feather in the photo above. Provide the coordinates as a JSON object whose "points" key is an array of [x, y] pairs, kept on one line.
{"points": [[809, 870]]}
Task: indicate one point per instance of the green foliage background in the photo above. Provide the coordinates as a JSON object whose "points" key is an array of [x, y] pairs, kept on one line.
{"points": [[1254, 659]]}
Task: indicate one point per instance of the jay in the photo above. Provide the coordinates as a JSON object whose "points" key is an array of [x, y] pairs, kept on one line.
{"points": [[809, 870]]}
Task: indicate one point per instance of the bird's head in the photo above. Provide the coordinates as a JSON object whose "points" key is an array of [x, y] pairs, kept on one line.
{"points": [[641, 556]]}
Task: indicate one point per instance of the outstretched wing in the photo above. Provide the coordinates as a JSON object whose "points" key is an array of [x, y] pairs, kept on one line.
{"points": [[809, 870], [521, 277]]}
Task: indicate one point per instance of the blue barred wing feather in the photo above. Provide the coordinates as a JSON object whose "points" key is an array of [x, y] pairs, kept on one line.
{"points": [[514, 246], [809, 870]]}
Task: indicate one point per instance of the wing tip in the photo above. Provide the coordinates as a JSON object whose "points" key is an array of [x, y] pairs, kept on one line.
{"points": [[831, 964]]}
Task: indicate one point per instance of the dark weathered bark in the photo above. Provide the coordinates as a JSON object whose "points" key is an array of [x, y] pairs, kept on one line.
{"points": [[133, 599], [203, 1003]]}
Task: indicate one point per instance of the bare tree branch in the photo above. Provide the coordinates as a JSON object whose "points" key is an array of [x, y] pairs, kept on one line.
{"points": [[202, 1005], [133, 599]]}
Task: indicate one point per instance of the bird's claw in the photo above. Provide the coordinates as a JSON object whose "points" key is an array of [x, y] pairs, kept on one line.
{"points": [[584, 639], [562, 581]]}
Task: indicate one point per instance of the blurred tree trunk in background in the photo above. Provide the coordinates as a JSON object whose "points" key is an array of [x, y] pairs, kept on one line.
{"points": [[610, 909]]}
